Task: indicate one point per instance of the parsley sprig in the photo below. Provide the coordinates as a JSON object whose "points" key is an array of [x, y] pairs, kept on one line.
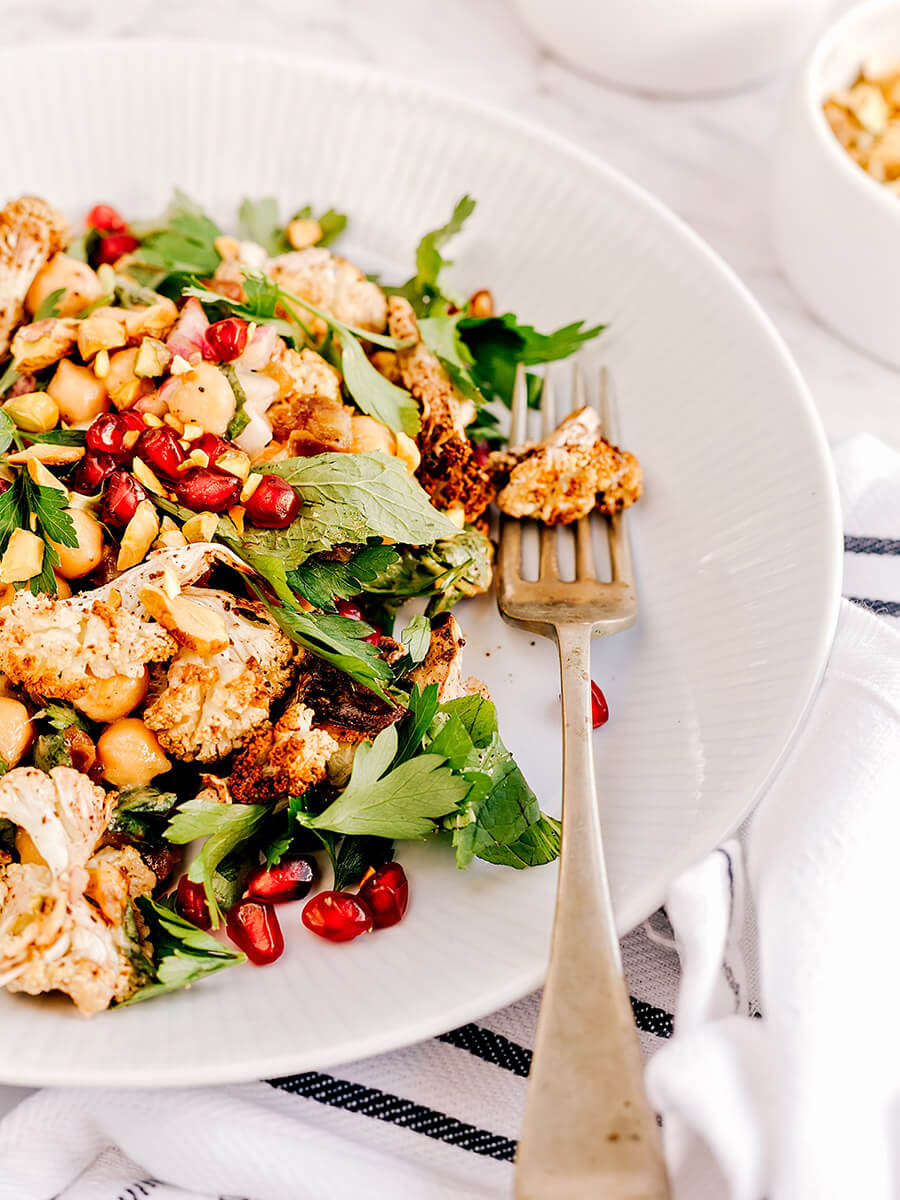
{"points": [[42, 510]]}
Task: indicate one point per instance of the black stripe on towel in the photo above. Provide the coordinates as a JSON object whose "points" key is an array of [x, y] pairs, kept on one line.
{"points": [[650, 1019], [372, 1102], [884, 608], [870, 545]]}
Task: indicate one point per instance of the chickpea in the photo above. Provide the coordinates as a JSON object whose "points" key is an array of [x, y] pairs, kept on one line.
{"points": [[16, 730], [204, 396], [367, 435], [63, 591], [27, 850], [77, 561], [111, 699], [82, 287], [130, 754], [122, 385], [79, 394]]}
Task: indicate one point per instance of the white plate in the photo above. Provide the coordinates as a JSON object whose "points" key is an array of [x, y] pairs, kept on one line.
{"points": [[737, 539]]}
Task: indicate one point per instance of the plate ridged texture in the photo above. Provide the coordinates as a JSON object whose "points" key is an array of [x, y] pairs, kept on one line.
{"points": [[736, 540]]}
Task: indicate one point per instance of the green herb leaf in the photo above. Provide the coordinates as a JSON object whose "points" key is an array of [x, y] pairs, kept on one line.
{"points": [[60, 715], [374, 491], [184, 242], [355, 857], [400, 803], [224, 826], [416, 637], [56, 437], [140, 812], [7, 379], [241, 419], [321, 582], [423, 289], [49, 306], [258, 222], [7, 431], [182, 953], [332, 224], [378, 397], [423, 707], [448, 571]]}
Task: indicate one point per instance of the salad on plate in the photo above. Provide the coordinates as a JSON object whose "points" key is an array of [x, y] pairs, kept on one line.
{"points": [[227, 466]]}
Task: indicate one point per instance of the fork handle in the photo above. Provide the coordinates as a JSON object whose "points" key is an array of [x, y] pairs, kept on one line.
{"points": [[588, 1129]]}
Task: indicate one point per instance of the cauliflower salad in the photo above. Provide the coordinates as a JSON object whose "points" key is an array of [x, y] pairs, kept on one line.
{"points": [[226, 464]]}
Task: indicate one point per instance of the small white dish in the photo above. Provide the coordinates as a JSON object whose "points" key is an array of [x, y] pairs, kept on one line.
{"points": [[737, 540], [837, 230]]}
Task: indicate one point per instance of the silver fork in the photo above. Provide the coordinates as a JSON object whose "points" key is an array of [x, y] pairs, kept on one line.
{"points": [[589, 1130]]}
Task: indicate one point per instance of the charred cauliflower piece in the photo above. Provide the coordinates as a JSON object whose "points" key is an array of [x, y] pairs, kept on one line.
{"points": [[449, 471], [345, 710], [282, 759], [51, 647], [65, 912], [311, 414], [205, 706], [443, 662], [562, 478], [332, 284], [31, 232]]}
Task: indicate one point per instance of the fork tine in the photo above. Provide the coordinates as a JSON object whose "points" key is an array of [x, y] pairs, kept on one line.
{"points": [[548, 567], [584, 544], [619, 544], [518, 426]]}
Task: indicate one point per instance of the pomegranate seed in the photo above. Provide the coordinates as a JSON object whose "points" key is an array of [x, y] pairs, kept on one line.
{"points": [[107, 434], [274, 504], [482, 450], [105, 219], [5, 485], [212, 446], [190, 901], [113, 246], [225, 340], [349, 608], [90, 472], [387, 894], [374, 638], [290, 880], [123, 495], [253, 927], [599, 707], [202, 490], [159, 448], [337, 916]]}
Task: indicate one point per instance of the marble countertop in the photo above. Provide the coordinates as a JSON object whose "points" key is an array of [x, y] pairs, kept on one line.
{"points": [[708, 159]]}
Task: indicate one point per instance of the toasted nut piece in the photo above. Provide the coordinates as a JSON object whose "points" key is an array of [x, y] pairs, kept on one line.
{"points": [[101, 364], [172, 539], [408, 452], [113, 698], [23, 558], [139, 535], [16, 730], [103, 329], [152, 421], [303, 232], [154, 320], [43, 477], [82, 286], [192, 431], [481, 304], [253, 482], [130, 438], [43, 343], [173, 422], [189, 621], [144, 475], [129, 753], [180, 366], [235, 462], [49, 455], [227, 246], [196, 458], [236, 512], [457, 515], [153, 358], [79, 394], [35, 412], [201, 527], [77, 561]]}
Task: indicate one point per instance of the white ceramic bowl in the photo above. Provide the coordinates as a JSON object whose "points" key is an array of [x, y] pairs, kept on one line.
{"points": [[836, 230]]}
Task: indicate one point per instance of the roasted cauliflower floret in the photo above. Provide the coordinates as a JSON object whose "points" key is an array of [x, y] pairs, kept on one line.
{"points": [[449, 471], [443, 662], [31, 232], [43, 343], [51, 647], [52, 940], [282, 759], [311, 413], [206, 706], [332, 284], [562, 478], [62, 812]]}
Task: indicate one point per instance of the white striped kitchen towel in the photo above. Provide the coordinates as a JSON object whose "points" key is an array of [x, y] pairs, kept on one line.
{"points": [[781, 1082]]}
